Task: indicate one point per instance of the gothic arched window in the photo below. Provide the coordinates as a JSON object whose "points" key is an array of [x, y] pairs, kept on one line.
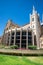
{"points": [[32, 19]]}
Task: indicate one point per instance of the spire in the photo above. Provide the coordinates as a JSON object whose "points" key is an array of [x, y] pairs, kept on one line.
{"points": [[42, 18], [33, 9], [9, 20]]}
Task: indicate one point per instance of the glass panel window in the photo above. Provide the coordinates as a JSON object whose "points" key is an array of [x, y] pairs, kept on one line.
{"points": [[23, 32], [17, 33]]}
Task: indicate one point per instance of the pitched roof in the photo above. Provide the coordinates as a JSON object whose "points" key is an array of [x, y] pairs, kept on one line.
{"points": [[10, 25]]}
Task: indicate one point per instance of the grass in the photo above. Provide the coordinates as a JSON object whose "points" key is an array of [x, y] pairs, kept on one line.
{"points": [[20, 60]]}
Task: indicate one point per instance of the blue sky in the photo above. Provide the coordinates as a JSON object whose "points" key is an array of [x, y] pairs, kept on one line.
{"points": [[18, 11]]}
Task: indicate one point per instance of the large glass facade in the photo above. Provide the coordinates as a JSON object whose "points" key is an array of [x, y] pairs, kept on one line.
{"points": [[23, 39], [12, 38], [29, 38], [17, 38]]}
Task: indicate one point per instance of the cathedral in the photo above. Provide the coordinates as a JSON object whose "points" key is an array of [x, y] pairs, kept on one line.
{"points": [[29, 34]]}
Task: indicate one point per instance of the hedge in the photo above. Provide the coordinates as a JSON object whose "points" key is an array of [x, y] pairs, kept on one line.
{"points": [[14, 47], [32, 47]]}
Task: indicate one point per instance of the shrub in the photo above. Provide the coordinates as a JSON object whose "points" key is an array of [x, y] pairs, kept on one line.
{"points": [[32, 47], [14, 47]]}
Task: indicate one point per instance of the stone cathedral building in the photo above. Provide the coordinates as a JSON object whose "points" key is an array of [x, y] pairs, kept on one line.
{"points": [[29, 34]]}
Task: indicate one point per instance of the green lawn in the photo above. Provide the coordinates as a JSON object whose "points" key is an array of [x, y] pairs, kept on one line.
{"points": [[20, 60]]}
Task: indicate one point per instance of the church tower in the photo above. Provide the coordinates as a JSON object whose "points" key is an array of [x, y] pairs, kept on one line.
{"points": [[35, 26]]}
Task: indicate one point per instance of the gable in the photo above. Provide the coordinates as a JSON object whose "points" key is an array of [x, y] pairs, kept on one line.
{"points": [[10, 25]]}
